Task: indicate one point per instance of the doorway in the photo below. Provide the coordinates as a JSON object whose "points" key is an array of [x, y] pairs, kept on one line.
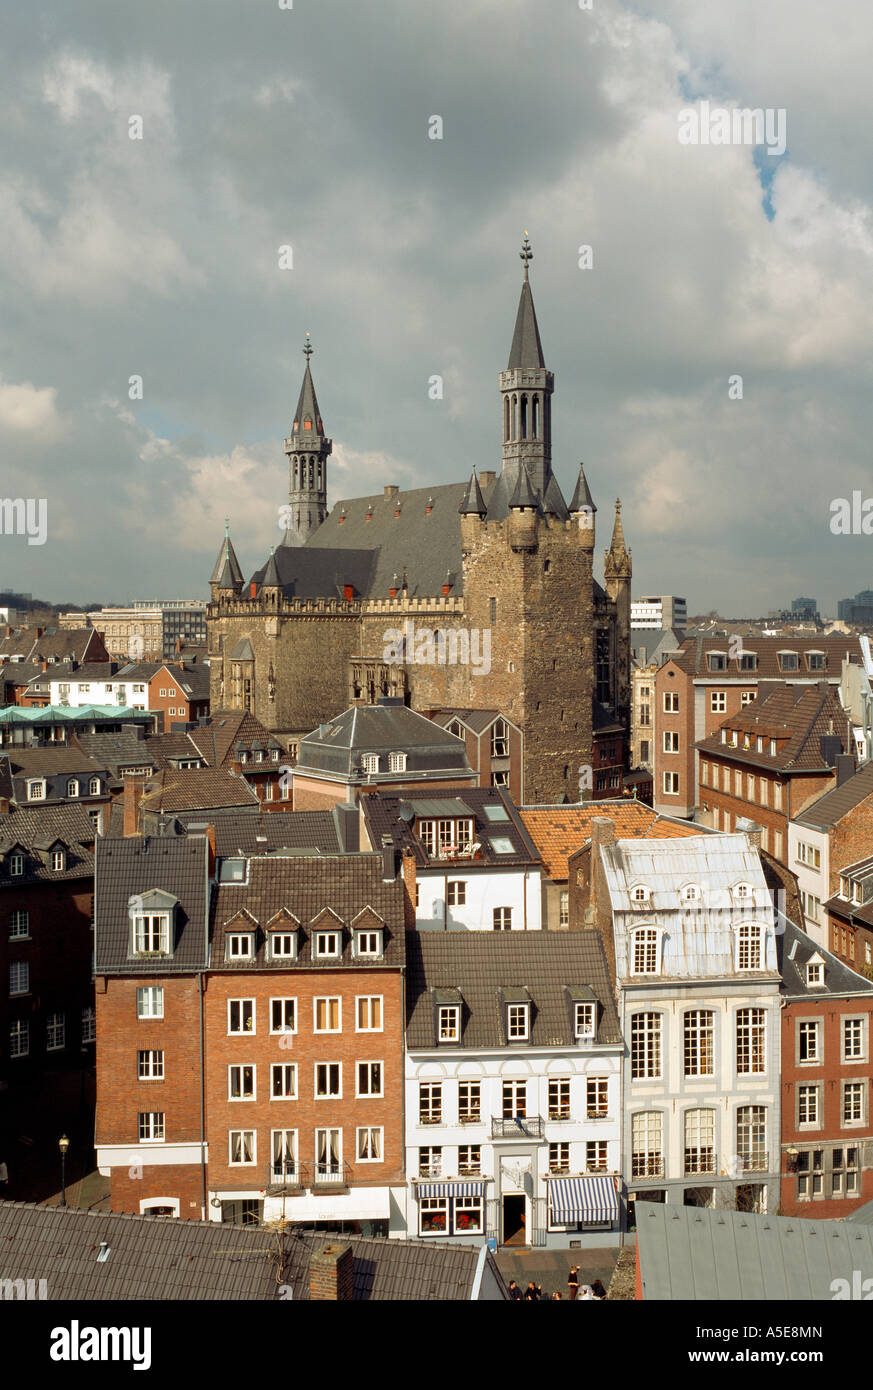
{"points": [[514, 1226]]}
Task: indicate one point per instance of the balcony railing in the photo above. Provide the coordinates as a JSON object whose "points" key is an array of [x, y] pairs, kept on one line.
{"points": [[517, 1126], [647, 1166], [699, 1161], [291, 1177]]}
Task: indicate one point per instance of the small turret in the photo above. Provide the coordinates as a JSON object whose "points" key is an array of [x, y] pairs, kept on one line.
{"points": [[473, 503], [271, 584], [583, 509], [226, 575], [524, 509]]}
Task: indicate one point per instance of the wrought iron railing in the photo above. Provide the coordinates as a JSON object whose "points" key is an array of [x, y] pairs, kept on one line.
{"points": [[291, 1175], [517, 1127]]}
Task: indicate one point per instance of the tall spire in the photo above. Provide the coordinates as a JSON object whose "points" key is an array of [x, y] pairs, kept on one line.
{"points": [[226, 567], [307, 448], [582, 500], [473, 503], [526, 398], [526, 350], [618, 557]]}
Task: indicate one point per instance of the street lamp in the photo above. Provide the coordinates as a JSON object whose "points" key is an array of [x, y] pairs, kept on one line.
{"points": [[63, 1145]]}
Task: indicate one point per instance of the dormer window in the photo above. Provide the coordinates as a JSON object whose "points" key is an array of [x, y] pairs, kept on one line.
{"points": [[724, 735], [326, 945], [517, 1022], [759, 746], [370, 763], [444, 839], [455, 728], [640, 894], [283, 945], [240, 945], [94, 786], [368, 943], [815, 973], [788, 661], [748, 661], [816, 661], [59, 860], [449, 1023], [844, 887], [72, 787], [151, 934], [36, 791], [16, 865], [750, 955], [243, 757], [717, 661], [397, 762], [772, 748], [645, 951], [691, 893], [743, 890], [233, 871], [583, 1020]]}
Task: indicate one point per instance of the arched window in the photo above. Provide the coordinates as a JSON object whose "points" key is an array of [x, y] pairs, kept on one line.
{"points": [[535, 431], [94, 786], [72, 787], [505, 417], [691, 893], [645, 951], [515, 417], [524, 417]]}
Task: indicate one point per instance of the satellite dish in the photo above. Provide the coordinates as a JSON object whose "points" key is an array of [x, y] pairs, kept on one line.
{"points": [[406, 812]]}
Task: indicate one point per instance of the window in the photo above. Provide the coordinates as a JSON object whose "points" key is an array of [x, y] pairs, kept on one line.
{"points": [[597, 1097], [514, 1100], [368, 1013], [370, 762], [583, 1020], [16, 865], [717, 702], [564, 909], [691, 893], [748, 697], [671, 783], [430, 1162], [36, 791], [445, 839], [89, 1025], [283, 945], [241, 1083], [456, 893], [19, 925], [369, 1145], [469, 1101], [368, 943], [328, 1080], [499, 739], [151, 1126], [283, 1081], [150, 1066], [240, 1015], [369, 1079], [749, 946], [788, 661], [645, 951], [811, 905], [469, 1160], [283, 1148], [808, 1106], [645, 1046], [19, 1038], [19, 977], [449, 1028], [150, 1001], [748, 661], [559, 1158], [559, 1098], [671, 742], [671, 702], [328, 1015], [240, 946], [326, 944], [502, 918], [433, 1212], [596, 1156], [283, 1015], [844, 1172], [430, 1103], [853, 1102], [751, 1041], [328, 1155], [517, 1022], [646, 1149], [809, 854], [699, 1052], [752, 1137], [72, 787], [397, 762], [241, 1145], [54, 1032], [700, 1141], [854, 1042], [151, 935], [94, 786]]}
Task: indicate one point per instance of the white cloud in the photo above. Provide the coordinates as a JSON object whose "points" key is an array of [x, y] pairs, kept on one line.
{"points": [[28, 409]]}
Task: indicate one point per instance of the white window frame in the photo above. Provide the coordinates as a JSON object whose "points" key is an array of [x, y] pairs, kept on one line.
{"points": [[19, 978], [364, 1006], [283, 1001], [327, 944], [18, 919], [517, 1023], [327, 1000], [242, 1032], [327, 1094], [155, 1127], [368, 943], [55, 1032], [283, 945], [284, 1069], [373, 1133], [242, 1162], [240, 945], [671, 741], [645, 944], [584, 1019], [449, 1023], [239, 1069], [153, 997], [670, 784], [150, 1064], [369, 1094]]}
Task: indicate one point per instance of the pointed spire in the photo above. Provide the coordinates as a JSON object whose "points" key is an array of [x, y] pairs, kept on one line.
{"points": [[617, 545], [473, 503], [307, 404], [271, 578], [526, 350], [582, 499], [226, 557], [524, 495]]}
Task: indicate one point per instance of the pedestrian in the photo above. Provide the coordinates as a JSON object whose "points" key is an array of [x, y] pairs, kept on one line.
{"points": [[557, 1294], [514, 1291], [530, 1292], [541, 1298], [597, 1289], [573, 1282]]}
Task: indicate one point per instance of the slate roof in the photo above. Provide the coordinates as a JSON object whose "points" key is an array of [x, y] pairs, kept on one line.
{"points": [[48, 761], [192, 678], [476, 719], [526, 349], [30, 825], [304, 886], [128, 866], [721, 1255], [801, 715], [191, 789], [216, 741], [383, 815], [121, 749], [481, 964], [244, 832], [334, 748], [64, 644], [559, 831], [154, 1258], [833, 805], [794, 948], [694, 651]]}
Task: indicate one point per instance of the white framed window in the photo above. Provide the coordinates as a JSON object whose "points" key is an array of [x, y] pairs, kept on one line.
{"points": [[241, 1082], [89, 1025], [644, 947], [19, 925], [73, 787], [240, 1016], [369, 1079], [671, 702], [283, 1015], [854, 1040], [517, 1022], [456, 892], [19, 977], [240, 945], [559, 1157], [501, 918], [283, 1081], [449, 1023], [583, 1020], [430, 1161], [150, 1001], [559, 1098], [469, 1102], [808, 1106], [328, 1154], [327, 945], [646, 1046], [397, 762], [94, 786], [242, 1147], [283, 945], [647, 1148], [327, 1014], [671, 783], [433, 1216], [283, 1151], [671, 741], [596, 1154], [514, 1100], [469, 1160], [19, 1037], [151, 934], [370, 762], [699, 1141], [430, 1103], [853, 1102], [717, 702], [36, 791], [55, 1031], [564, 909], [809, 1041], [368, 1013], [699, 1042], [150, 1065], [16, 865], [499, 739], [328, 1080], [368, 943], [151, 1126], [597, 1097], [691, 893], [370, 1144], [751, 1041]]}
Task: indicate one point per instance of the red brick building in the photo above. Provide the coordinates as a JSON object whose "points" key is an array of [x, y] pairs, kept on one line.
{"points": [[250, 1033], [179, 691], [494, 744], [827, 1156]]}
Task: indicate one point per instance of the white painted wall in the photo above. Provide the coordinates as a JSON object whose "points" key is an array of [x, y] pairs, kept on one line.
{"points": [[809, 880], [520, 889]]}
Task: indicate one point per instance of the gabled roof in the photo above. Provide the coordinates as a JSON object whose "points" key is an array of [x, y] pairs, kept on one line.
{"points": [[559, 831], [135, 865], [833, 805], [795, 948], [835, 648], [191, 789], [800, 715], [55, 760]]}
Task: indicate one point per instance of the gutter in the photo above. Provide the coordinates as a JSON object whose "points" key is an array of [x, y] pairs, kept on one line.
{"points": [[480, 1270]]}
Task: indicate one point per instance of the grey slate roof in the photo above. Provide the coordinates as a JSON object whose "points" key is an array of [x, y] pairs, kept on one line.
{"points": [[192, 789], [127, 866], [35, 827], [473, 505], [226, 560], [383, 816], [248, 832], [154, 1258], [718, 1255], [481, 964], [307, 405], [582, 499], [794, 948], [382, 728], [835, 804], [523, 494], [526, 349], [115, 750]]}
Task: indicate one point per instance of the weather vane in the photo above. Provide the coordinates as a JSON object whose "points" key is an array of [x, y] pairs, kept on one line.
{"points": [[308, 349], [526, 254]]}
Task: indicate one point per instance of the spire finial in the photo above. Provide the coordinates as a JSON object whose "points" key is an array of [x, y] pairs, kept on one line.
{"points": [[526, 254], [308, 349], [226, 526]]}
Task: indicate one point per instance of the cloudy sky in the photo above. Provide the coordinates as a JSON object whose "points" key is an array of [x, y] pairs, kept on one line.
{"points": [[308, 127]]}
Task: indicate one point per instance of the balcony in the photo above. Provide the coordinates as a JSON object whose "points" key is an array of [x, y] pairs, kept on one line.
{"points": [[647, 1166], [699, 1161], [517, 1127], [289, 1178]]}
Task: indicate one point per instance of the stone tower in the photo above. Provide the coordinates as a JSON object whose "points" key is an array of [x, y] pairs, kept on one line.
{"points": [[307, 448], [617, 580]]}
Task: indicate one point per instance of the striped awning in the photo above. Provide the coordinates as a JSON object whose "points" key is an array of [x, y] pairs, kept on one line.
{"points": [[583, 1199], [451, 1189]]}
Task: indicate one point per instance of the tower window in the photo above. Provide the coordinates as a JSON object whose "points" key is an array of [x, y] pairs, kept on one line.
{"points": [[494, 610], [307, 423], [524, 417], [536, 417]]}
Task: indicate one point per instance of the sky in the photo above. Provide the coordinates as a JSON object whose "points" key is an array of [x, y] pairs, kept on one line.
{"points": [[308, 126]]}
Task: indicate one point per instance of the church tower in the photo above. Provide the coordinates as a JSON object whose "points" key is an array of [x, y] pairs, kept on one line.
{"points": [[617, 581], [526, 397], [307, 448]]}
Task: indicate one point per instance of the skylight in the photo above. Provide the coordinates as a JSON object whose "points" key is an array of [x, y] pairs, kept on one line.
{"points": [[501, 844], [495, 813]]}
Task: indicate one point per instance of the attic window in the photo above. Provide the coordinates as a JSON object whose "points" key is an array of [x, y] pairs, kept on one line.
{"points": [[36, 791], [691, 893], [717, 661], [517, 1022], [640, 894], [816, 661], [73, 787], [151, 934], [326, 945], [397, 762], [240, 945], [815, 974], [233, 871], [449, 1023], [743, 890], [772, 748], [748, 661], [370, 762], [283, 945], [788, 661], [368, 944], [583, 1021], [59, 860], [16, 865]]}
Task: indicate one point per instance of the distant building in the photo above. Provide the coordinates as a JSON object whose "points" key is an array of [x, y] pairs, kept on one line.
{"points": [[857, 610], [664, 610], [147, 630], [804, 607]]}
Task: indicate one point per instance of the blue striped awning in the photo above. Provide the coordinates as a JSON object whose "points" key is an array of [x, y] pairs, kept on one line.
{"points": [[583, 1199], [450, 1189]]}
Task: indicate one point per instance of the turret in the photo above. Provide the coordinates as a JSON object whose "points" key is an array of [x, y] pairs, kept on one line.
{"points": [[226, 576], [582, 509], [271, 584], [526, 396], [307, 448], [524, 509]]}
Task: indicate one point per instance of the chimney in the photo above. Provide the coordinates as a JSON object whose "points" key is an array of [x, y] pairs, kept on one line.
{"points": [[210, 835], [332, 1274], [602, 833], [407, 865], [845, 765], [389, 859], [348, 592], [132, 796], [391, 489], [253, 590], [486, 477]]}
